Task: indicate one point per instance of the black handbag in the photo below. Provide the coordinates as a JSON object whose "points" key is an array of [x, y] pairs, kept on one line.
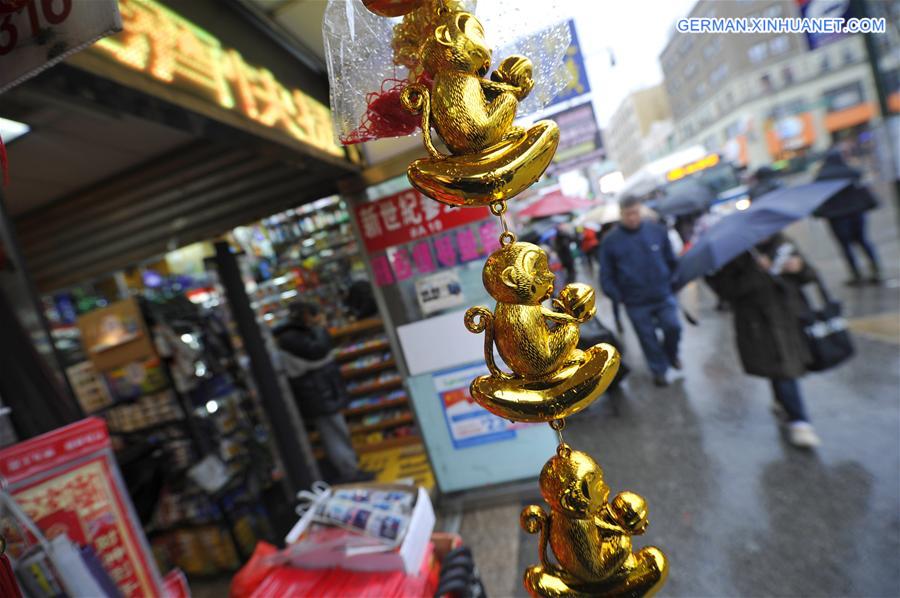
{"points": [[593, 332], [826, 333]]}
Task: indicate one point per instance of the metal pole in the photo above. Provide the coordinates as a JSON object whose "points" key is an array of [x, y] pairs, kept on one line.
{"points": [[287, 436], [861, 10]]}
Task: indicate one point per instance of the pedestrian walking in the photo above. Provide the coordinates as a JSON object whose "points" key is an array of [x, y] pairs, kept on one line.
{"points": [[636, 266], [315, 378], [764, 288], [562, 244], [590, 247], [763, 181], [846, 214]]}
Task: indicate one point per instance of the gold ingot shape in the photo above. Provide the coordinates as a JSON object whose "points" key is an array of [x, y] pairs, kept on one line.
{"points": [[589, 537], [551, 378], [490, 159]]}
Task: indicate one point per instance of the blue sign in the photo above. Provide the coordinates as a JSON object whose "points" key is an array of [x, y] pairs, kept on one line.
{"points": [[574, 63], [819, 9]]}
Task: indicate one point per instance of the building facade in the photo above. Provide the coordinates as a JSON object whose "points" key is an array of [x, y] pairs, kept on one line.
{"points": [[759, 98], [636, 127]]}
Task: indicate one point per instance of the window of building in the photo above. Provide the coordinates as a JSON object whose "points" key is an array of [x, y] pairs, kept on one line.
{"points": [[849, 55], [788, 75], [779, 45], [758, 52], [844, 96], [766, 82], [690, 70], [718, 74], [789, 108], [826, 63], [733, 130], [700, 91]]}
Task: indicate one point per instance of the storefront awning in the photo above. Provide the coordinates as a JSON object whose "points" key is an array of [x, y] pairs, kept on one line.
{"points": [[849, 117]]}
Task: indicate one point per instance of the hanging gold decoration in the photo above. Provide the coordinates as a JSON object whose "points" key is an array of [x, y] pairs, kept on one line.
{"points": [[490, 161]]}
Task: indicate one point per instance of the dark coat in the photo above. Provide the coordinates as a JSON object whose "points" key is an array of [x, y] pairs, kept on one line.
{"points": [[314, 376], [767, 311], [636, 266], [853, 200]]}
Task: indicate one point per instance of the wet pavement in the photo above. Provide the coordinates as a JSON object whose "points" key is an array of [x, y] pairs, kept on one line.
{"points": [[738, 511]]}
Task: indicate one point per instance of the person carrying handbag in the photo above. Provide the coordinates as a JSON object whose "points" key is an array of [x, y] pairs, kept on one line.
{"points": [[764, 287]]}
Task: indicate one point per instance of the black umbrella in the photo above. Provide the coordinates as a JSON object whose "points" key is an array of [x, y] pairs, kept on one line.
{"points": [[686, 197], [740, 231]]}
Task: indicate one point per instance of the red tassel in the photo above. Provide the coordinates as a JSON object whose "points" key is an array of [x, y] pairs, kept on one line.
{"points": [[385, 115]]}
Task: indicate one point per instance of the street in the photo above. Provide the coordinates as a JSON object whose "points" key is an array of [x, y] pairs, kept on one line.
{"points": [[737, 510]]}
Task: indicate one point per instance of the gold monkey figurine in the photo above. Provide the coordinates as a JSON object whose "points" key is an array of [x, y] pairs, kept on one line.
{"points": [[589, 537], [550, 377], [491, 160]]}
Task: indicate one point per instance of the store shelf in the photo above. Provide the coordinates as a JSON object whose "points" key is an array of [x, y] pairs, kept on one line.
{"points": [[402, 420], [361, 391], [357, 327], [349, 355], [381, 425], [128, 401], [376, 407], [150, 427], [372, 447], [387, 444], [351, 373]]}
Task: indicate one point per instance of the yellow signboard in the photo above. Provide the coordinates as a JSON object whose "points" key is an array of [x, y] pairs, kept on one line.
{"points": [[166, 46], [692, 167]]}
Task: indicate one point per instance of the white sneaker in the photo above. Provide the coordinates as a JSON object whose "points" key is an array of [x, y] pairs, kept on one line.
{"points": [[803, 435], [673, 375]]}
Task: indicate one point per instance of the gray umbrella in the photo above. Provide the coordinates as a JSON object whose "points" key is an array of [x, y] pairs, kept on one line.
{"points": [[740, 231], [685, 197]]}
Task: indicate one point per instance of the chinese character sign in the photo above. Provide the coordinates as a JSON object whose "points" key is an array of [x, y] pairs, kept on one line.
{"points": [[407, 216], [164, 45]]}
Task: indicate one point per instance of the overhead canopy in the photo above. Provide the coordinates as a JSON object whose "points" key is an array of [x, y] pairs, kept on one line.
{"points": [[95, 189], [127, 160], [555, 203]]}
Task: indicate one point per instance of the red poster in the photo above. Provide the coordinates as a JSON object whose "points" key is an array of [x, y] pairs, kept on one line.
{"points": [[67, 481], [407, 216]]}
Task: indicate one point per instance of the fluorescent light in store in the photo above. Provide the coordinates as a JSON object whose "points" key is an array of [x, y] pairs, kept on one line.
{"points": [[11, 129]]}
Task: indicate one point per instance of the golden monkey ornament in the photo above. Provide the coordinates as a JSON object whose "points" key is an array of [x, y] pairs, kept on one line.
{"points": [[491, 161]]}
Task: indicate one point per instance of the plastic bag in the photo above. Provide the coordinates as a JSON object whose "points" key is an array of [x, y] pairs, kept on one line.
{"points": [[366, 75]]}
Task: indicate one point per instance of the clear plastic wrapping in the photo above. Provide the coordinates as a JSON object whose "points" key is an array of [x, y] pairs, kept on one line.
{"points": [[362, 70]]}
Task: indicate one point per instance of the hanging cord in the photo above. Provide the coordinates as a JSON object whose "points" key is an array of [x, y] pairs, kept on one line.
{"points": [[498, 209], [558, 425]]}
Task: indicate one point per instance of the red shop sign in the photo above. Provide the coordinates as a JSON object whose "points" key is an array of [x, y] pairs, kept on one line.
{"points": [[407, 216]]}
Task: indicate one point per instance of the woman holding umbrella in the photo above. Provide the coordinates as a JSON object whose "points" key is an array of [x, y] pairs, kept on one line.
{"points": [[763, 286]]}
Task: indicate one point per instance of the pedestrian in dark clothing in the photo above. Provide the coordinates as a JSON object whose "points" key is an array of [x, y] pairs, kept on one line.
{"points": [[562, 245], [636, 266], [764, 289], [315, 378], [764, 181], [846, 214]]}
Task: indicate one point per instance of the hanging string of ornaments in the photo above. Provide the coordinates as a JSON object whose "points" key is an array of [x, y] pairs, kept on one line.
{"points": [[403, 65]]}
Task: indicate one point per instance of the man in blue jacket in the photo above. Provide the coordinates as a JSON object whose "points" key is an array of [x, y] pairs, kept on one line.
{"points": [[636, 266]]}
